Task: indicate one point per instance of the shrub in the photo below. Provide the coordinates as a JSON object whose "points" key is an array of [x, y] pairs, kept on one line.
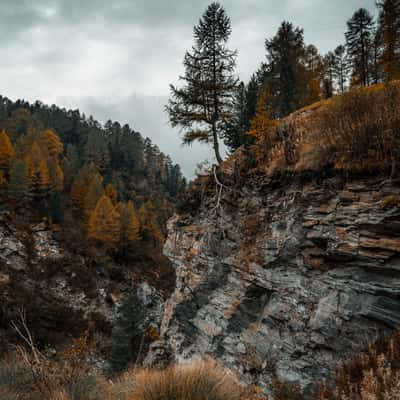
{"points": [[197, 381]]}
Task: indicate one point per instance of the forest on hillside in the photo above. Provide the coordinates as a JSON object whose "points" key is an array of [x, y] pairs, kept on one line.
{"points": [[60, 165]]}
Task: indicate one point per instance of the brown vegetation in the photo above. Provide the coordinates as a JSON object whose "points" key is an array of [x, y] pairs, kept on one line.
{"points": [[32, 375], [358, 131]]}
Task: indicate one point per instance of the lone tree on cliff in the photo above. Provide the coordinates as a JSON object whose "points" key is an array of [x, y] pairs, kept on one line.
{"points": [[204, 103]]}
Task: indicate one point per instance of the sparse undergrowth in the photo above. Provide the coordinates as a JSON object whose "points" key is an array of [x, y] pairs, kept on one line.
{"points": [[373, 374], [358, 131], [21, 379]]}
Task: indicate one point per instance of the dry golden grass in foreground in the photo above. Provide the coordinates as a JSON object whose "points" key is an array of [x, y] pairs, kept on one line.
{"points": [[27, 379], [198, 381]]}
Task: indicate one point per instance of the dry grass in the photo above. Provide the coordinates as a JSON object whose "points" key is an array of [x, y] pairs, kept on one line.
{"points": [[360, 130], [357, 131], [197, 381], [202, 380]]}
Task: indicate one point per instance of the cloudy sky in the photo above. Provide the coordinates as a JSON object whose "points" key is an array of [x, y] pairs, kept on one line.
{"points": [[115, 59]]}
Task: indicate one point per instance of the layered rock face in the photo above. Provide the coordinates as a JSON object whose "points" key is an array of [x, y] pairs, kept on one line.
{"points": [[285, 279]]}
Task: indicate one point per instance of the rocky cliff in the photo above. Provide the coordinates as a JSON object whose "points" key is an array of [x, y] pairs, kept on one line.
{"points": [[285, 278]]}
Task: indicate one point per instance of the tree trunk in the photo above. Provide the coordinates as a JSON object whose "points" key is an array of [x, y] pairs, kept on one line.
{"points": [[216, 144]]}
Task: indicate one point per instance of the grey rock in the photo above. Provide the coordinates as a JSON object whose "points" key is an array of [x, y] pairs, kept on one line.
{"points": [[299, 290]]}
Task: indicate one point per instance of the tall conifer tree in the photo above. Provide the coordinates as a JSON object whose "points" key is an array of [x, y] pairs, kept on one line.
{"points": [[204, 103], [359, 40]]}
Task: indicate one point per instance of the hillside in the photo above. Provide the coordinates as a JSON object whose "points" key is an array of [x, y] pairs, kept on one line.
{"points": [[82, 219]]}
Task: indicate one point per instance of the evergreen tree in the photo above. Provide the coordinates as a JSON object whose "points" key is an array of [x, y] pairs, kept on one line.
{"points": [[235, 133], [341, 67], [203, 105], [71, 164], [389, 26], [285, 77], [314, 70], [376, 67], [359, 38], [127, 331], [18, 185], [329, 72]]}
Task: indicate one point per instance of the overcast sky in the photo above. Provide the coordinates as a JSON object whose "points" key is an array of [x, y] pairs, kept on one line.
{"points": [[115, 59]]}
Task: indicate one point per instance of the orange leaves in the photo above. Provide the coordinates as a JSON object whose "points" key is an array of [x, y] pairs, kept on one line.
{"points": [[104, 222], [112, 193], [6, 150], [54, 144], [130, 224], [94, 192], [81, 185]]}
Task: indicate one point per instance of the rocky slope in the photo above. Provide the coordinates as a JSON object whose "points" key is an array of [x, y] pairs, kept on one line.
{"points": [[285, 278], [66, 293]]}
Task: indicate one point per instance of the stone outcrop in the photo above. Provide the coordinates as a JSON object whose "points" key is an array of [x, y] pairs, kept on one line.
{"points": [[285, 279]]}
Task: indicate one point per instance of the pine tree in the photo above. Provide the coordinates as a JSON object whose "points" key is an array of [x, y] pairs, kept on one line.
{"points": [[235, 133], [104, 222], [71, 164], [314, 70], [127, 330], [18, 185], [204, 103], [286, 73], [341, 67], [389, 26], [6, 150], [329, 71], [359, 37], [96, 150]]}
